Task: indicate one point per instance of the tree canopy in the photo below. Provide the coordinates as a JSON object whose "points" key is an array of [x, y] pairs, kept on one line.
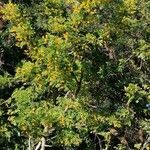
{"points": [[74, 74]]}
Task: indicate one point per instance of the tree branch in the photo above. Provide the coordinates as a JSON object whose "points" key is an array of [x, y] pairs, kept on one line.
{"points": [[38, 146], [79, 83], [43, 143], [143, 146]]}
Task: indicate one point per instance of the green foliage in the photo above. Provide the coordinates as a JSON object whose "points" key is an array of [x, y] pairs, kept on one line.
{"points": [[79, 68]]}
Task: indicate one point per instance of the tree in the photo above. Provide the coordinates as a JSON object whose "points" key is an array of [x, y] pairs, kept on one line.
{"points": [[84, 72]]}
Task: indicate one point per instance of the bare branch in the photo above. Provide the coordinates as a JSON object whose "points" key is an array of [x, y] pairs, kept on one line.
{"points": [[29, 143], [43, 143], [38, 146], [146, 142]]}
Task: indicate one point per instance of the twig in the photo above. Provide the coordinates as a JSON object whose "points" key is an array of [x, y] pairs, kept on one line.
{"points": [[99, 141]]}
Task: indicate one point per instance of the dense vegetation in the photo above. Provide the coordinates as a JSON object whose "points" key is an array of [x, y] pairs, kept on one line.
{"points": [[74, 74]]}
